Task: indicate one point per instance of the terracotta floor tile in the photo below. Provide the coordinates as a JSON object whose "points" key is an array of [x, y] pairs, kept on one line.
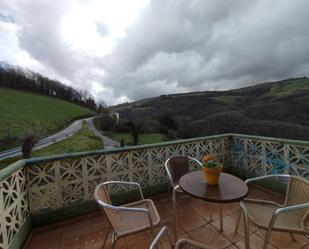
{"points": [[227, 208], [197, 202], [209, 236], [164, 210], [44, 244], [80, 241], [87, 231], [306, 246], [203, 209], [264, 194], [231, 247], [182, 203], [166, 199], [53, 234], [190, 220], [139, 240], [78, 228], [121, 244], [284, 241], [229, 224], [169, 222], [256, 242], [241, 227]]}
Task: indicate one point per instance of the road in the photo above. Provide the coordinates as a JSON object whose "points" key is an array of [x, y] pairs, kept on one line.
{"points": [[108, 142], [67, 132]]}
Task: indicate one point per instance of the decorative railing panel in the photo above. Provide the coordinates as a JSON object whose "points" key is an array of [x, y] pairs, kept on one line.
{"points": [[263, 156], [51, 183], [13, 206], [62, 182]]}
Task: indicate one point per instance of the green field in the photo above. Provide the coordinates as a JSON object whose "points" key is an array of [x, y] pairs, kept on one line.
{"points": [[24, 112], [289, 87], [83, 140], [144, 138], [227, 99]]}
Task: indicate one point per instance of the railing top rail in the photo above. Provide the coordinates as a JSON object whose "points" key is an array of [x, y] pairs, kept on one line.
{"points": [[4, 173], [271, 139], [9, 170]]}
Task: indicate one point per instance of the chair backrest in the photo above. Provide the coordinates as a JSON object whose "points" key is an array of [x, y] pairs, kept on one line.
{"points": [[298, 193], [176, 167], [102, 197]]}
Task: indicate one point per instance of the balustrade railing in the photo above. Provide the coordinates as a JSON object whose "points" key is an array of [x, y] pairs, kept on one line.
{"points": [[44, 185]]}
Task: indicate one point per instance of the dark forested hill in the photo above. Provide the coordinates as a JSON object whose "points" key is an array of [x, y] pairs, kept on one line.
{"points": [[279, 109]]}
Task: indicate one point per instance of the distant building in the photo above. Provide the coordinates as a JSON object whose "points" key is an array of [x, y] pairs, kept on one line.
{"points": [[115, 115]]}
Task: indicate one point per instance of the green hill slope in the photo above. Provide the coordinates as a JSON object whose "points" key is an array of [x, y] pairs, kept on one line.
{"points": [[23, 112]]}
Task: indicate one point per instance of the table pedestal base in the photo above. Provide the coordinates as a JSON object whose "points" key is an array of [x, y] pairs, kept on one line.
{"points": [[221, 218]]}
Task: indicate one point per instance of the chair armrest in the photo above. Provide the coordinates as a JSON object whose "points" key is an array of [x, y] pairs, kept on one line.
{"points": [[156, 240], [127, 183], [195, 160], [265, 177], [259, 201], [126, 209], [291, 208]]}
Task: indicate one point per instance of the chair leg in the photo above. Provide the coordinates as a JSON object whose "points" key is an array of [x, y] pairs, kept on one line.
{"points": [[246, 223], [267, 237], [114, 240], [238, 221], [259, 231], [210, 212], [107, 231], [292, 237], [175, 216]]}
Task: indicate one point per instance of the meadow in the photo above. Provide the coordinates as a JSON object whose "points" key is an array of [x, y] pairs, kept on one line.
{"points": [[24, 113]]}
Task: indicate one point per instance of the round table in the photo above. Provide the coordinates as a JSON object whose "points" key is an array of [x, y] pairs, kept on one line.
{"points": [[229, 189]]}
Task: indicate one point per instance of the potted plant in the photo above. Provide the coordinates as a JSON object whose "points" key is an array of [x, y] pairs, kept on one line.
{"points": [[212, 169]]}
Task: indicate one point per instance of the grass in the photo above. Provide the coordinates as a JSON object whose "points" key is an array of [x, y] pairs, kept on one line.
{"points": [[83, 140], [6, 162], [227, 99], [144, 138], [22, 112], [290, 87]]}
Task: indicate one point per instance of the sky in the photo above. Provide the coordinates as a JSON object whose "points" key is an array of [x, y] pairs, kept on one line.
{"points": [[124, 50]]}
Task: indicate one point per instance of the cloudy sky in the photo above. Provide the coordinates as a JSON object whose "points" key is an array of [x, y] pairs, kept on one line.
{"points": [[123, 50]]}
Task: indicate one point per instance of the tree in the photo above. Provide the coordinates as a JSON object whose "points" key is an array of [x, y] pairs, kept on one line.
{"points": [[27, 146], [135, 130], [105, 122], [168, 121]]}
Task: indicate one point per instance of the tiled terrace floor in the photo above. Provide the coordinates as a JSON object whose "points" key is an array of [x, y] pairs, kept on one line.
{"points": [[194, 223]]}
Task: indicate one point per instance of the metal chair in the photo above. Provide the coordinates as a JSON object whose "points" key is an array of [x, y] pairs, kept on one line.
{"points": [[180, 244], [176, 167], [127, 219], [291, 217]]}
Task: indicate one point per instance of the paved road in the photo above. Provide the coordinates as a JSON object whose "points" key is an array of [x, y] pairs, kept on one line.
{"points": [[67, 132], [108, 142]]}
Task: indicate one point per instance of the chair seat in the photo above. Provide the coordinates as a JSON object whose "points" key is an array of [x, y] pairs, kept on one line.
{"points": [[132, 222], [261, 214]]}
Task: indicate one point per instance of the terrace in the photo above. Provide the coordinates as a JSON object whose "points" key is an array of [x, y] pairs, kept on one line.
{"points": [[48, 202]]}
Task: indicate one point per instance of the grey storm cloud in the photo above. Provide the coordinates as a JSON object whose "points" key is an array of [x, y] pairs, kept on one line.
{"points": [[40, 36], [210, 45], [177, 46]]}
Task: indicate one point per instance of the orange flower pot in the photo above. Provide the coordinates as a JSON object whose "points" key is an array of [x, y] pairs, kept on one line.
{"points": [[212, 175]]}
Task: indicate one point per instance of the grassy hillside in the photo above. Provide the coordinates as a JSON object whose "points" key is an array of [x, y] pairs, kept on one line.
{"points": [[83, 140], [278, 109], [144, 138], [23, 112]]}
